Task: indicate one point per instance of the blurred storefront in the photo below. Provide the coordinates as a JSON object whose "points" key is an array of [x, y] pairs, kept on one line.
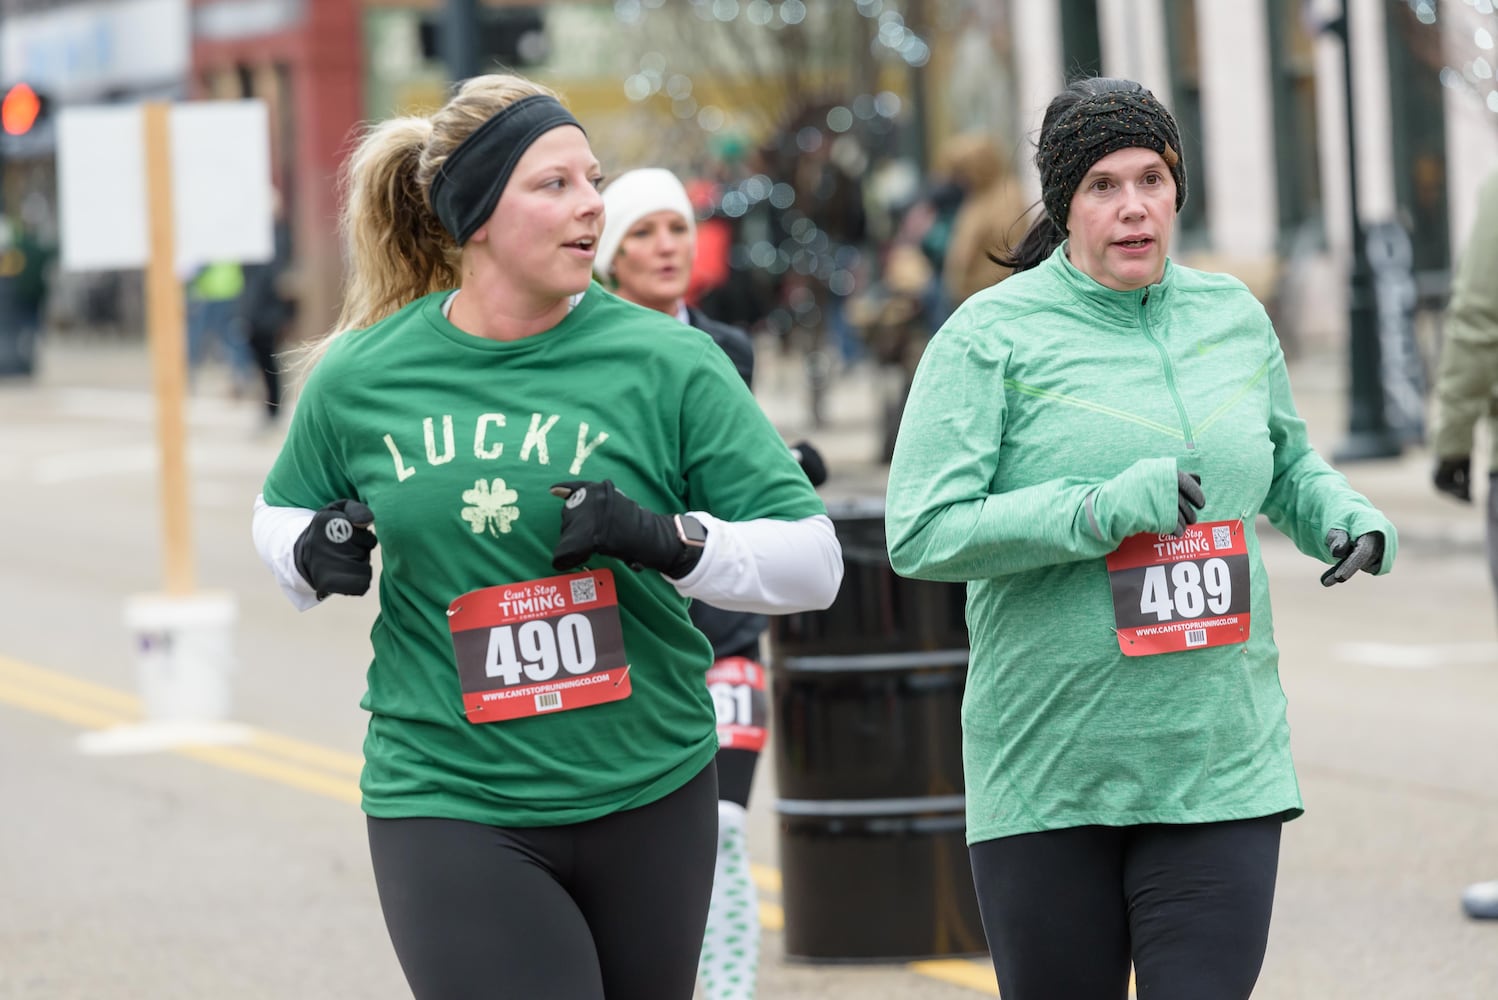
{"points": [[1258, 90], [305, 59], [85, 52]]}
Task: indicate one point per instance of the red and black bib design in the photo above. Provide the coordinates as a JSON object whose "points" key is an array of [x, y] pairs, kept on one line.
{"points": [[737, 684], [539, 647], [1175, 594]]}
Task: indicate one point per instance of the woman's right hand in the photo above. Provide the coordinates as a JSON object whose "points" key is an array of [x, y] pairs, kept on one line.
{"points": [[333, 552]]}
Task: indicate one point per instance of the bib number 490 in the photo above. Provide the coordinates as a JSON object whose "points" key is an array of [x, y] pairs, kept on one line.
{"points": [[535, 650], [1186, 589], [539, 647]]}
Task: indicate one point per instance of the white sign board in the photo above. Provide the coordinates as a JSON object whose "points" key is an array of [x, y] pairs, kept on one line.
{"points": [[101, 188], [221, 186]]}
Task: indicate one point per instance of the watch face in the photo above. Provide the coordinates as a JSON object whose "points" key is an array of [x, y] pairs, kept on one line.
{"points": [[693, 531]]}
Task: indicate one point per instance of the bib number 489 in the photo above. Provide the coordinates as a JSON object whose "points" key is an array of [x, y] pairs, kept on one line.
{"points": [[1186, 590], [1175, 594]]}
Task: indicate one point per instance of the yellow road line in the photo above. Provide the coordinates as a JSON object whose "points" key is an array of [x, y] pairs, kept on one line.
{"points": [[765, 877], [55, 706], [68, 687], [309, 753], [92, 706], [960, 972], [245, 762]]}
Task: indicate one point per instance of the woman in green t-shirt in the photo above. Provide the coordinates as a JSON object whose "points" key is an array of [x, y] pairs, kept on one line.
{"points": [[553, 474]]}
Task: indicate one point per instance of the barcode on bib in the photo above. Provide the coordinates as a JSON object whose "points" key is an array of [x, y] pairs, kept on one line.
{"points": [[548, 700], [584, 591], [1196, 637]]}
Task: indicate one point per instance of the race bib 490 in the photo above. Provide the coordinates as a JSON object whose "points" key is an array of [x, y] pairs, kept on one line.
{"points": [[540, 646], [1175, 594]]}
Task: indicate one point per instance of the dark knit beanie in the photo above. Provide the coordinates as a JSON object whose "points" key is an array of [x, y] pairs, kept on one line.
{"points": [[1096, 126]]}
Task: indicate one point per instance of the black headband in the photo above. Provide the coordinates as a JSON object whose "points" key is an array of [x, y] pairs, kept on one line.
{"points": [[469, 184], [1096, 126]]}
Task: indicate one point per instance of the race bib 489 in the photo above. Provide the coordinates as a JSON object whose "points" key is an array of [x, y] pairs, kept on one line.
{"points": [[1175, 594]]}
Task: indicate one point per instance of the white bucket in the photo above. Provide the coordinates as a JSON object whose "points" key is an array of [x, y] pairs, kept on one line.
{"points": [[185, 654]]}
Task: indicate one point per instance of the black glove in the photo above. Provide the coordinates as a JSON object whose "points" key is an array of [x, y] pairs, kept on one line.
{"points": [[1366, 554], [1189, 500], [1454, 477], [332, 554], [811, 462], [598, 519]]}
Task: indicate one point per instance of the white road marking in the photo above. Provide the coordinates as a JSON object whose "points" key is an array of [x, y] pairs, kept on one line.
{"points": [[1402, 656]]}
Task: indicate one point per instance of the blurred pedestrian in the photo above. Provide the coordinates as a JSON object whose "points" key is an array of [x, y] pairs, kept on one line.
{"points": [[213, 320], [992, 215], [1089, 444], [553, 473], [26, 263], [1466, 392], [267, 312], [645, 255]]}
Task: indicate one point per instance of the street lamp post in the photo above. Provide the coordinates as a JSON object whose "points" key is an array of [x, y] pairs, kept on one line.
{"points": [[460, 39], [1368, 434]]}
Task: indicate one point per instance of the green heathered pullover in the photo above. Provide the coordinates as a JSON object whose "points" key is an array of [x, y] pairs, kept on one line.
{"points": [[1046, 423]]}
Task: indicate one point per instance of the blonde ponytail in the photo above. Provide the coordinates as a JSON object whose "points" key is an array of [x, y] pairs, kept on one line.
{"points": [[396, 249]]}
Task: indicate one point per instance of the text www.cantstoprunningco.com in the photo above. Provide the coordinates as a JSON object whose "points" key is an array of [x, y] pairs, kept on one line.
{"points": [[534, 689], [1181, 626]]}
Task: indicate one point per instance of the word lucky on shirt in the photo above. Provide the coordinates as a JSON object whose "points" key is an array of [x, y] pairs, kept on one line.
{"points": [[489, 429]]}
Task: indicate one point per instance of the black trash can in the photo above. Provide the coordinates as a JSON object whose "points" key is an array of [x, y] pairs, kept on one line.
{"points": [[866, 731]]}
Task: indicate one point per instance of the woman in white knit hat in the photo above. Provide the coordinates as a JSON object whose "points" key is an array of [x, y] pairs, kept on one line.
{"points": [[645, 255]]}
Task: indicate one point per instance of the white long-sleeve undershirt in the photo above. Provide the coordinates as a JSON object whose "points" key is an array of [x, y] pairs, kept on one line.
{"points": [[764, 565]]}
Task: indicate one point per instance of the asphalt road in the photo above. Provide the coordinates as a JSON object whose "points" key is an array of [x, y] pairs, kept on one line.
{"points": [[240, 870]]}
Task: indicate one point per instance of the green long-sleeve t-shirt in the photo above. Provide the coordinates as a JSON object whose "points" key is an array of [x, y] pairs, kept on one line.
{"points": [[1045, 425]]}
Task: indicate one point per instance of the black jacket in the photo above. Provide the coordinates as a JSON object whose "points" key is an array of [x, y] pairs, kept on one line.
{"points": [[732, 633], [732, 339]]}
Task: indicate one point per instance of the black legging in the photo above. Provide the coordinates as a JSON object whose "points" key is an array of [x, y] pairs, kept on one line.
{"points": [[1065, 911], [736, 774], [614, 907]]}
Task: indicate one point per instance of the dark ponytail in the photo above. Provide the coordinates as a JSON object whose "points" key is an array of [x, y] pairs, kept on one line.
{"points": [[1039, 241]]}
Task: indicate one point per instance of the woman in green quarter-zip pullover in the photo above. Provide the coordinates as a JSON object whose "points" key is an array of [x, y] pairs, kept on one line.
{"points": [[1089, 444]]}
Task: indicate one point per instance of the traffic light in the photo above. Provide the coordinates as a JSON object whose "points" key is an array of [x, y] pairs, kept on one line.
{"points": [[513, 37], [20, 109]]}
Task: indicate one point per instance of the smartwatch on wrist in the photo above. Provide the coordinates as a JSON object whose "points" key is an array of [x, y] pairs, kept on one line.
{"points": [[690, 531]]}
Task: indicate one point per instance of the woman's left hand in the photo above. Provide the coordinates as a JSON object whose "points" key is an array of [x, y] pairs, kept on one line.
{"points": [[1366, 553], [598, 519]]}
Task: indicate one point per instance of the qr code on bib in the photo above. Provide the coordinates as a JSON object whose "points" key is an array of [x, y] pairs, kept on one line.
{"points": [[1222, 537], [584, 591]]}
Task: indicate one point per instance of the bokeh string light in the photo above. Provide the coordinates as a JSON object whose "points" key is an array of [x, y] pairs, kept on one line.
{"points": [[1468, 48], [784, 231]]}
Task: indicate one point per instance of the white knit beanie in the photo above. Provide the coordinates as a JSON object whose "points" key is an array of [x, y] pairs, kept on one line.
{"points": [[632, 196]]}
